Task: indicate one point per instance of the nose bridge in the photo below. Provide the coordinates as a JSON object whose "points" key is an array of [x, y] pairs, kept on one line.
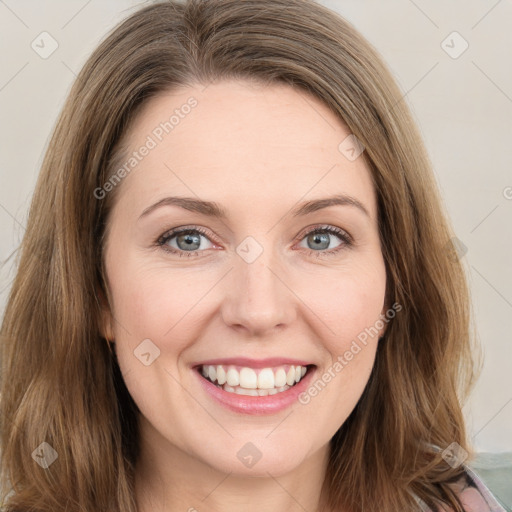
{"points": [[259, 299]]}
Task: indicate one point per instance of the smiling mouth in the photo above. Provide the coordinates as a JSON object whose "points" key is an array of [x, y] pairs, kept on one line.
{"points": [[254, 382]]}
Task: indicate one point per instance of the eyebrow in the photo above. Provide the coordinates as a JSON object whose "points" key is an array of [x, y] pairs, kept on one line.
{"points": [[212, 209]]}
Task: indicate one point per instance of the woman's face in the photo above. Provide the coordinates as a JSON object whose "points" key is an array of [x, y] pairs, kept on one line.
{"points": [[262, 282]]}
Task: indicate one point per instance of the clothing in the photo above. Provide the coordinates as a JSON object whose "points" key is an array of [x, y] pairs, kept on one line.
{"points": [[473, 494]]}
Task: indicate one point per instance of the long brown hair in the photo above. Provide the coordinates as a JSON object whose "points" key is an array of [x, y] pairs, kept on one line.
{"points": [[60, 382]]}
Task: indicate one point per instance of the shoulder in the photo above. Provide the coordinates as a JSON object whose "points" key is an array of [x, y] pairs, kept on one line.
{"points": [[474, 494]]}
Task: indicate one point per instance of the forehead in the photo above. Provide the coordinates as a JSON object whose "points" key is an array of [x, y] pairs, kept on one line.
{"points": [[265, 143]]}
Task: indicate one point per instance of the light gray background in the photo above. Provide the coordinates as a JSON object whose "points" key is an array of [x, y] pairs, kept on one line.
{"points": [[463, 107]]}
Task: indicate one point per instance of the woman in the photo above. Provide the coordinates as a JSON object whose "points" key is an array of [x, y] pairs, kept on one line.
{"points": [[255, 370]]}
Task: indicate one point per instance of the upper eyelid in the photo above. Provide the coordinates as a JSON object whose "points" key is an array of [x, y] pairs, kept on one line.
{"points": [[170, 233]]}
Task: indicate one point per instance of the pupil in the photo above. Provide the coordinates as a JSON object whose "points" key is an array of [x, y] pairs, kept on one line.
{"points": [[321, 237], [190, 239]]}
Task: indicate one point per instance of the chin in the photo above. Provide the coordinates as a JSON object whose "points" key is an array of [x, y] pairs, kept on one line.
{"points": [[257, 457]]}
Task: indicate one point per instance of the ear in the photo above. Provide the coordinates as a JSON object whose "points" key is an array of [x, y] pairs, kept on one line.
{"points": [[105, 322]]}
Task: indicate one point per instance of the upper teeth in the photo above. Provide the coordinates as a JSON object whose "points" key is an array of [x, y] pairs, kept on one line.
{"points": [[264, 378]]}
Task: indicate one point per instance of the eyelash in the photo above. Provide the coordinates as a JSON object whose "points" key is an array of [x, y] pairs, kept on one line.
{"points": [[343, 235]]}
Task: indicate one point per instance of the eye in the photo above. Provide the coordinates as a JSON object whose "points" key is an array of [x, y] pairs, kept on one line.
{"points": [[320, 238], [187, 241]]}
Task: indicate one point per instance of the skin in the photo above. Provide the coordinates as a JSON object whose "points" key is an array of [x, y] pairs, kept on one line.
{"points": [[258, 152]]}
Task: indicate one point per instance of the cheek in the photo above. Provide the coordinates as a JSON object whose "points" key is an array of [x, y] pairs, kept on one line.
{"points": [[348, 311], [153, 302], [167, 306], [347, 303]]}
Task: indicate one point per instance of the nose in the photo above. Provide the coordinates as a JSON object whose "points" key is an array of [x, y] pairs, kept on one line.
{"points": [[257, 298]]}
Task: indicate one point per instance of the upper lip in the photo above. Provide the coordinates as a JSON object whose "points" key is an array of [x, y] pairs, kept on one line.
{"points": [[253, 363]]}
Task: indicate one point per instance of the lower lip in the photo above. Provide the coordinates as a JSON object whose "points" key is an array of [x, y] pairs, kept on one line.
{"points": [[256, 404]]}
